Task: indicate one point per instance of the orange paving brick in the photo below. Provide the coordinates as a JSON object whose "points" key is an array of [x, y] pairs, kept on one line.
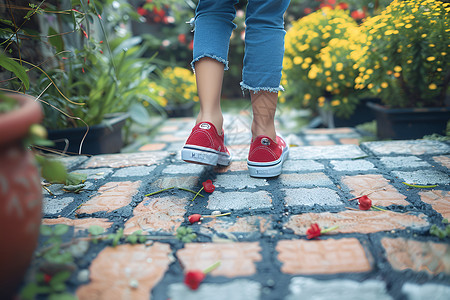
{"points": [[126, 272], [329, 256], [356, 221], [377, 187], [126, 160], [443, 160], [113, 195], [328, 130], [346, 141], [168, 128], [242, 224], [322, 143], [439, 200], [153, 147], [430, 257], [171, 138], [237, 259], [79, 224], [235, 166], [157, 214]]}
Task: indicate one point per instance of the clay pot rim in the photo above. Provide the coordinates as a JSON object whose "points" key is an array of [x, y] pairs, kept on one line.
{"points": [[14, 125]]}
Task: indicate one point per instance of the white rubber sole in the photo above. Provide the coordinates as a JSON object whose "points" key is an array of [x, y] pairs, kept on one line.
{"points": [[268, 169], [204, 156]]}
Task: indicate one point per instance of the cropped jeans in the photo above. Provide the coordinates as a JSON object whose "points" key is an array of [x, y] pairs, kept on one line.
{"points": [[264, 39]]}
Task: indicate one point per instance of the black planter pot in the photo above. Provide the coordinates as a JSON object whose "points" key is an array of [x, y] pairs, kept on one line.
{"points": [[409, 123], [100, 139], [180, 111]]}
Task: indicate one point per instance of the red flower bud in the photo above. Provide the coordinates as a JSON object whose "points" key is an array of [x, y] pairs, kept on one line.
{"points": [[194, 218], [364, 203], [313, 231], [208, 186], [47, 278], [193, 279], [342, 6]]}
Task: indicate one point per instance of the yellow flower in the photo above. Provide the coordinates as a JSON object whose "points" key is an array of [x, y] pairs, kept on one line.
{"points": [[307, 96], [384, 85], [396, 74], [431, 58], [432, 86], [298, 60], [335, 102], [385, 58], [397, 69], [409, 61], [439, 69], [443, 53], [341, 76]]}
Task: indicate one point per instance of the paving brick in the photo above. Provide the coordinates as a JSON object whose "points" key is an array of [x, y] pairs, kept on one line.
{"points": [[349, 141], [133, 269], [153, 147], [329, 256], [424, 291], [439, 201], [303, 180], [341, 130], [112, 196], [237, 259], [423, 177], [168, 128], [235, 166], [184, 168], [157, 214], [352, 165], [169, 138], [96, 174], [377, 187], [312, 196], [402, 162], [302, 165], [317, 137], [356, 221], [188, 182], [418, 256], [408, 147], [53, 205], [239, 200], [241, 224], [241, 289], [126, 160], [443, 160], [326, 152], [79, 224], [134, 171], [309, 288], [72, 161], [239, 182], [322, 143]]}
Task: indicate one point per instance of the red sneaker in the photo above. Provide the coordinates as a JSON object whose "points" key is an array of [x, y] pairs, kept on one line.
{"points": [[266, 157], [205, 146]]}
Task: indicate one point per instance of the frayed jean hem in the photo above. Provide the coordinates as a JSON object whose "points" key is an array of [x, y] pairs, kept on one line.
{"points": [[255, 90], [219, 59]]}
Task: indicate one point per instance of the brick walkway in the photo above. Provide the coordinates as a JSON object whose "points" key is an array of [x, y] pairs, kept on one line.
{"points": [[262, 246]]}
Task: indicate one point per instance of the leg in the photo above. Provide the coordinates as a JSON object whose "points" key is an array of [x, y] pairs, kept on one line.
{"points": [[264, 50], [213, 27]]}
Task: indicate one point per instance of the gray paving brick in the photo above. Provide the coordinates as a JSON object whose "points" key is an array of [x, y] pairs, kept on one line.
{"points": [[309, 197], [239, 200], [303, 180], [241, 289], [317, 137], [184, 168], [95, 174], [237, 182], [423, 177], [53, 206], [425, 291], [308, 288], [326, 152], [302, 165], [401, 162], [352, 165], [72, 161], [134, 171], [408, 147]]}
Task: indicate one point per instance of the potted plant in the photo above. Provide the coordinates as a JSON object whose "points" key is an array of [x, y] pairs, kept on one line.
{"points": [[407, 66], [177, 90], [319, 64]]}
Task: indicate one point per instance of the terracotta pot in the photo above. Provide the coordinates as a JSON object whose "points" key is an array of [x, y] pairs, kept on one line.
{"points": [[20, 195]]}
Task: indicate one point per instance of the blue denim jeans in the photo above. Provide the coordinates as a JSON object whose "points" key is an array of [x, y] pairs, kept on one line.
{"points": [[264, 39]]}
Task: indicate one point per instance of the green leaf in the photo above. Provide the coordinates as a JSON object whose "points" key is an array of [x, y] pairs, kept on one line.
{"points": [[46, 230], [96, 230], [74, 178], [62, 276], [18, 70], [139, 114], [62, 296], [61, 229], [29, 291], [132, 239], [52, 170], [55, 39]]}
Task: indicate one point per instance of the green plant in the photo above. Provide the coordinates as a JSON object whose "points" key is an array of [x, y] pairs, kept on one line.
{"points": [[318, 68], [407, 63]]}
